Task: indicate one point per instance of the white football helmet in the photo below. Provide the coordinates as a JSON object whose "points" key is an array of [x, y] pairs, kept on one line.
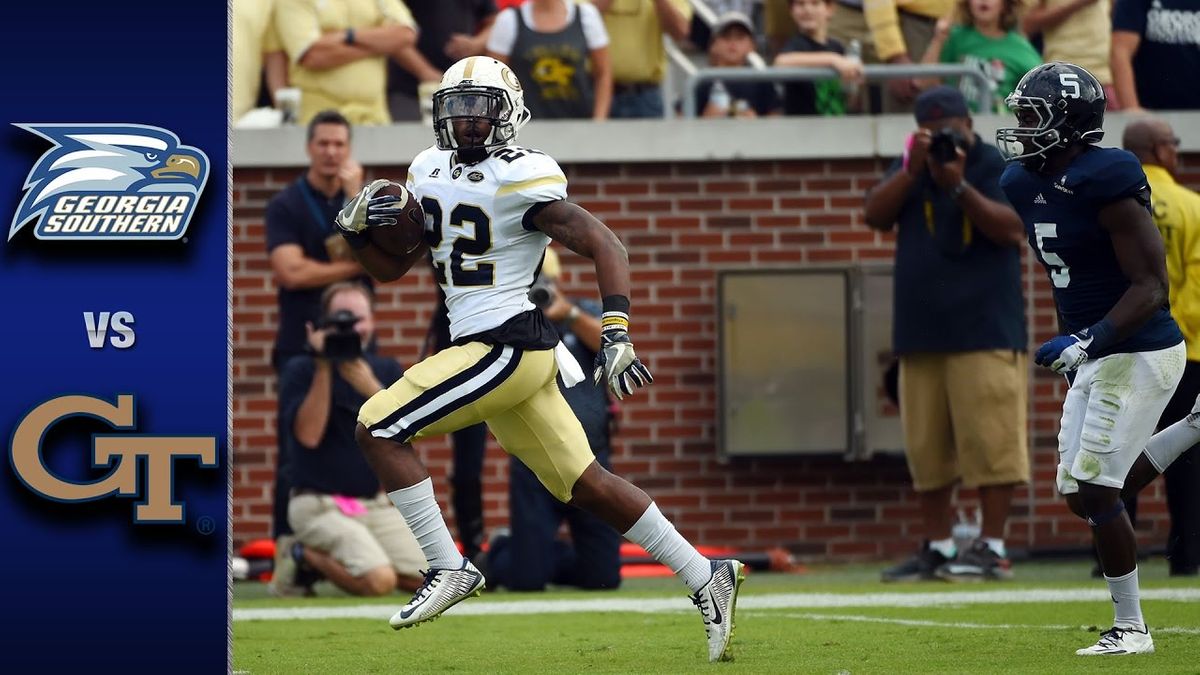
{"points": [[479, 87]]}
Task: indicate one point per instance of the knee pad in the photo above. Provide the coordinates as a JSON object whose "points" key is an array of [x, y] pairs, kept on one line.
{"points": [[1108, 516]]}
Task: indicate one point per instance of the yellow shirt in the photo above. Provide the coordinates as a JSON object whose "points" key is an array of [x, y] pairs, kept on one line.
{"points": [[1176, 212], [357, 89], [253, 36], [1083, 39], [883, 19], [636, 40]]}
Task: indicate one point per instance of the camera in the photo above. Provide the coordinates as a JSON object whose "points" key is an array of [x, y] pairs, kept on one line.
{"points": [[945, 144], [542, 292], [342, 342]]}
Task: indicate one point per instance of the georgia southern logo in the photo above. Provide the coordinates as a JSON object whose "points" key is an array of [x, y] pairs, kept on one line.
{"points": [[111, 181]]}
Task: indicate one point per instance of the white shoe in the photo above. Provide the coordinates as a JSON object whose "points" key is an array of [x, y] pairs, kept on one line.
{"points": [[1119, 641], [717, 602], [442, 590]]}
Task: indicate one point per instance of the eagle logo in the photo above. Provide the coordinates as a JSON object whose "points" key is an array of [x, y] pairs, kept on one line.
{"points": [[109, 182]]}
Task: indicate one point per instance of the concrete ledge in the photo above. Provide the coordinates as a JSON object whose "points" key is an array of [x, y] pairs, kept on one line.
{"points": [[572, 142]]}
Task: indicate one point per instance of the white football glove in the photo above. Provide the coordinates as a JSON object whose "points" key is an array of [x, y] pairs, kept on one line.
{"points": [[356, 215], [618, 365], [1064, 353]]}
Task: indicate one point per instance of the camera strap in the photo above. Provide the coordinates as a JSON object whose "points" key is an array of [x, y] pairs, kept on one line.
{"points": [[946, 240]]}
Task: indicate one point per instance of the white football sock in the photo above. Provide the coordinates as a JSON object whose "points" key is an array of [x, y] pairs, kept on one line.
{"points": [[424, 518], [997, 546], [1127, 605], [1168, 444], [659, 537]]}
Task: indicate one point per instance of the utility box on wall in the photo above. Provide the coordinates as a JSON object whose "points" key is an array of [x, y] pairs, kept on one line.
{"points": [[803, 358]]}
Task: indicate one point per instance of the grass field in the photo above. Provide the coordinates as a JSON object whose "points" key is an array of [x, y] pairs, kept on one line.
{"points": [[835, 620]]}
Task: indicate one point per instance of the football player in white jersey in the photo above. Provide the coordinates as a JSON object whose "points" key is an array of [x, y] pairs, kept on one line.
{"points": [[491, 208]]}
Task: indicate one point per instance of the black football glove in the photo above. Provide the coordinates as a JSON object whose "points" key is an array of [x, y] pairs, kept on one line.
{"points": [[618, 365]]}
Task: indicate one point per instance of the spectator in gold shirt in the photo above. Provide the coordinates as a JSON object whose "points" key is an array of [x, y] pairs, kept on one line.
{"points": [[639, 60], [338, 51], [1176, 211]]}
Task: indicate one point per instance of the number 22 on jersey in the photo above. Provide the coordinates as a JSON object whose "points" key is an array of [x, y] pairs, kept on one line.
{"points": [[1060, 273], [477, 273]]}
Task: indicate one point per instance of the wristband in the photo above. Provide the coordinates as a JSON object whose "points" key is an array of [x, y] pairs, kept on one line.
{"points": [[356, 240], [349, 36], [1103, 334], [956, 192], [616, 313]]}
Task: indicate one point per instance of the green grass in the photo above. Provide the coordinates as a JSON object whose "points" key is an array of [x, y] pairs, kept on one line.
{"points": [[1008, 638]]}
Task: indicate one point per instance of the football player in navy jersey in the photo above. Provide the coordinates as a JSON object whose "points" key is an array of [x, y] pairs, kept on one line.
{"points": [[1086, 215]]}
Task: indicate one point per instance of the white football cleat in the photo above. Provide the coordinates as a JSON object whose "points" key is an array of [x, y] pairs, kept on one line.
{"points": [[442, 590], [717, 601], [1120, 641]]}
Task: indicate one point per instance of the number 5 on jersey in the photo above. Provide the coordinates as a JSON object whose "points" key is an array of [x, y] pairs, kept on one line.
{"points": [[1060, 273], [480, 273]]}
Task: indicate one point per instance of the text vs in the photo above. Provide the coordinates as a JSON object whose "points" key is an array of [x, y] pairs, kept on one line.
{"points": [[98, 325]]}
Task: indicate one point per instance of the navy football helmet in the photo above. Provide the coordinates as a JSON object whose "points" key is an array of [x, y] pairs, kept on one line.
{"points": [[1057, 105]]}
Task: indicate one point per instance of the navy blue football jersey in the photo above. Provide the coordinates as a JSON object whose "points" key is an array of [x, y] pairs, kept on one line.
{"points": [[1061, 216]]}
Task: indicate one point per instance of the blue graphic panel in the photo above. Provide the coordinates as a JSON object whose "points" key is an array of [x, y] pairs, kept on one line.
{"points": [[113, 201]]}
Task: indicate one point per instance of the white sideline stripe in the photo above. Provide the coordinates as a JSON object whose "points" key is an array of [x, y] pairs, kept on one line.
{"points": [[858, 618], [752, 602]]}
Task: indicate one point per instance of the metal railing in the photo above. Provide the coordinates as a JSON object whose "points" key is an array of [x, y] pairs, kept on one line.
{"points": [[872, 73]]}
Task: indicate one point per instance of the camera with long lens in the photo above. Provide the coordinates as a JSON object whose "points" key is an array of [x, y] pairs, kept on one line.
{"points": [[342, 342], [542, 293], [945, 144]]}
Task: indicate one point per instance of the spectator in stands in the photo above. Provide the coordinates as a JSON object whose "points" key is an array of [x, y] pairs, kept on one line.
{"points": [[339, 51], [959, 332], [983, 34], [533, 556], [1176, 211], [306, 255], [1075, 31], [900, 31], [450, 30], [345, 525], [558, 49], [1156, 54], [639, 60], [701, 34], [256, 49], [732, 43], [812, 47]]}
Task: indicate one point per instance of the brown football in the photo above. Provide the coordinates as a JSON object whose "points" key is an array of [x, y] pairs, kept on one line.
{"points": [[406, 234]]}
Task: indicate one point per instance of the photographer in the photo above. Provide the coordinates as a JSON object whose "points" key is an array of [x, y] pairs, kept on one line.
{"points": [[959, 333], [345, 527], [532, 555]]}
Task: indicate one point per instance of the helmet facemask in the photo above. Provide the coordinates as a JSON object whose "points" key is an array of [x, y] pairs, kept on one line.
{"points": [[467, 102], [1026, 142]]}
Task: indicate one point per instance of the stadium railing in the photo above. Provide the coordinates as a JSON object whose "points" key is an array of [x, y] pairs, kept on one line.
{"points": [[873, 73]]}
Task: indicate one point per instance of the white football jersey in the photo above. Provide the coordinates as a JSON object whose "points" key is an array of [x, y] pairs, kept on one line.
{"points": [[484, 255]]}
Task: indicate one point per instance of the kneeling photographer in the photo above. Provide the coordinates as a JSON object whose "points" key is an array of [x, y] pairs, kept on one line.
{"points": [[958, 332], [532, 555], [345, 527]]}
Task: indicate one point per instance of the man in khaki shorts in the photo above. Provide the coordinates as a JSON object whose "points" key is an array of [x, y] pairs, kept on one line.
{"points": [[959, 331], [345, 526]]}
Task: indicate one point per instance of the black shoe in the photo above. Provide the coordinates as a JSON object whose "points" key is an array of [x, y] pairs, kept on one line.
{"points": [[1184, 571], [921, 567], [977, 563]]}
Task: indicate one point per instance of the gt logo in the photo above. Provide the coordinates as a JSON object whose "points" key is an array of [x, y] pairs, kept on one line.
{"points": [[121, 451]]}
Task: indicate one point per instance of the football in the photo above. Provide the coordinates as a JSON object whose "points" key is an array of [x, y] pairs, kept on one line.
{"points": [[406, 234]]}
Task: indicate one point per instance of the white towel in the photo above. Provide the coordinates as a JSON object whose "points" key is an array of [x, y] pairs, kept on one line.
{"points": [[568, 367]]}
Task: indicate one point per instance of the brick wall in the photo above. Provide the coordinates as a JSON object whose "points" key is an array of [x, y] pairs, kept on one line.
{"points": [[681, 222]]}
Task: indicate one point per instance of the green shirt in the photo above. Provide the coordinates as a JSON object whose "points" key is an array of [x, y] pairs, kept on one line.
{"points": [[1002, 60]]}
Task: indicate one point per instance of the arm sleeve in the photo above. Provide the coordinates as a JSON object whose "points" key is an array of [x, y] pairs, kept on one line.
{"points": [[281, 225], [298, 25], [1130, 15], [884, 22], [594, 32], [504, 32]]}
